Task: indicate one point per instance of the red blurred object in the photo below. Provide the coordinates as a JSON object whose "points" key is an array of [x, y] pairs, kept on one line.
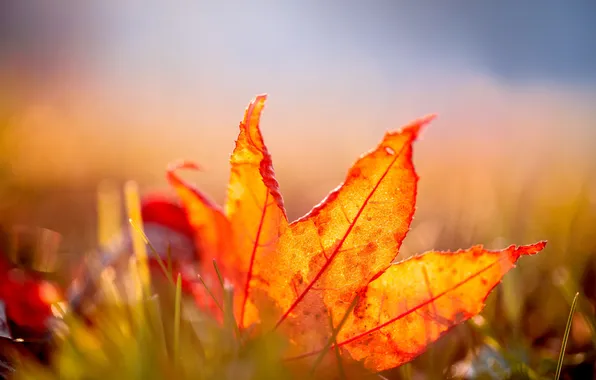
{"points": [[164, 211], [171, 237], [27, 298], [25, 292]]}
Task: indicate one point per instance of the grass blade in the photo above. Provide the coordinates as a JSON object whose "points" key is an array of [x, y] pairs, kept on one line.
{"points": [[405, 371], [177, 305], [229, 319], [169, 257], [340, 366], [228, 301], [109, 212], [211, 294], [219, 276], [133, 208], [334, 334], [167, 271], [569, 287], [566, 336]]}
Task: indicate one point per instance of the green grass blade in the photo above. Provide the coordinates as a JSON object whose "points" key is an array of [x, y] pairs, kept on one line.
{"points": [[340, 366], [177, 304], [162, 265], [405, 371], [333, 336], [211, 294], [566, 336], [133, 210], [228, 301], [569, 287], [229, 318], [109, 212], [169, 262], [219, 276]]}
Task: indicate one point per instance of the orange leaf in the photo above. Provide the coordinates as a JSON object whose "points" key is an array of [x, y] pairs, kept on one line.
{"points": [[325, 257], [206, 217], [212, 228], [311, 270], [254, 207], [417, 300]]}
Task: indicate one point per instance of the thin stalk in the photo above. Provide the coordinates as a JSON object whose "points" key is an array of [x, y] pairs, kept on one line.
{"points": [[334, 334], [162, 266], [566, 337], [177, 305]]}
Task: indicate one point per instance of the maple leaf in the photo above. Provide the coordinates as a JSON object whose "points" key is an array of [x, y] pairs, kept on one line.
{"points": [[336, 262]]}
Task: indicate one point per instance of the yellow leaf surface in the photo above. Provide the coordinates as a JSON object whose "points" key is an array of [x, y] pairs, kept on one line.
{"points": [[254, 207], [325, 257], [417, 300]]}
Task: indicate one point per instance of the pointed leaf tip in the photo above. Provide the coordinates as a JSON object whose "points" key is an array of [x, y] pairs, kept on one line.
{"points": [[253, 111], [425, 120], [250, 147], [417, 125], [428, 118], [260, 98], [531, 249], [413, 128], [254, 207]]}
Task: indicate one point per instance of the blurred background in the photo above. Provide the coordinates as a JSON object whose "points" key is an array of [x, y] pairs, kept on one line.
{"points": [[117, 90]]}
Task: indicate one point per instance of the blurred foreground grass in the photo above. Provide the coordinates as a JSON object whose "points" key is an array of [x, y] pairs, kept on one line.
{"points": [[156, 338]]}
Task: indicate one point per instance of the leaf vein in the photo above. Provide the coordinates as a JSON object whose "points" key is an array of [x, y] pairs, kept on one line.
{"points": [[341, 241]]}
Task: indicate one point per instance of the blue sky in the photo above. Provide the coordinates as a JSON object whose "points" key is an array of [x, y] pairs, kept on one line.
{"points": [[516, 41]]}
